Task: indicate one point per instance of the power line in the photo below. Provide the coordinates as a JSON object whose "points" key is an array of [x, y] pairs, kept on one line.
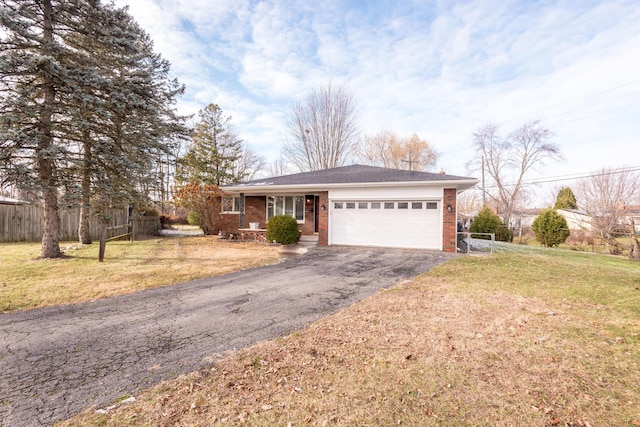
{"points": [[573, 177]]}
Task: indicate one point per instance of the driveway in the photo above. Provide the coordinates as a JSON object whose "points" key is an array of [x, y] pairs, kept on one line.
{"points": [[57, 361]]}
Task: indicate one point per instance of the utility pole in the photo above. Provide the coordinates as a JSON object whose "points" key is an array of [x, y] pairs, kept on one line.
{"points": [[410, 161], [484, 194]]}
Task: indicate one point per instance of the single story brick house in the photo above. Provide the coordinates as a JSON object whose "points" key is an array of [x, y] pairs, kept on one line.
{"points": [[354, 205]]}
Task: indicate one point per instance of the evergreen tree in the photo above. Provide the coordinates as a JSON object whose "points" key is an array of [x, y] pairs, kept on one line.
{"points": [[550, 228], [31, 78], [216, 155], [85, 105], [566, 199], [488, 222]]}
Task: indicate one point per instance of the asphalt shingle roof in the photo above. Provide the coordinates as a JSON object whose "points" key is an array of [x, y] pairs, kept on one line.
{"points": [[351, 175]]}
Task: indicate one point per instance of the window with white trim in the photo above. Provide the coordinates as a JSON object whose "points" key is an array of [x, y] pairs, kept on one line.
{"points": [[286, 205], [231, 204]]}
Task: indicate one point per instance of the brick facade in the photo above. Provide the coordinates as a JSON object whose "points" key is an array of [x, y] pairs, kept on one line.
{"points": [[323, 219], [229, 222], [449, 221], [255, 211]]}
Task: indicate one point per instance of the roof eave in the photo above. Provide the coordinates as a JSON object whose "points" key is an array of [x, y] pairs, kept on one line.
{"points": [[460, 185]]}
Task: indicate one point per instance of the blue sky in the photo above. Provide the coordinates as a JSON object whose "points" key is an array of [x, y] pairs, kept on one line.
{"points": [[439, 69]]}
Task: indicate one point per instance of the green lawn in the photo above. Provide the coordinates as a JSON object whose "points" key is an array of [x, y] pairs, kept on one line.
{"points": [[534, 337], [26, 281]]}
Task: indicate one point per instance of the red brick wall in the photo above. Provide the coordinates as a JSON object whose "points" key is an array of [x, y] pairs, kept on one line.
{"points": [[449, 223], [255, 210], [323, 219], [226, 222]]}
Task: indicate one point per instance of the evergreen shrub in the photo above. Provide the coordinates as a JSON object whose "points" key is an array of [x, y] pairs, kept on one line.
{"points": [[283, 229], [550, 228], [488, 222]]}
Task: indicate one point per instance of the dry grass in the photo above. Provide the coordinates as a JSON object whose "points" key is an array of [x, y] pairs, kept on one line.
{"points": [[27, 281], [506, 340]]}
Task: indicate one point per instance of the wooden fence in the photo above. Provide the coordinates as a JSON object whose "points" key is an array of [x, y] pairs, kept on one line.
{"points": [[23, 223]]}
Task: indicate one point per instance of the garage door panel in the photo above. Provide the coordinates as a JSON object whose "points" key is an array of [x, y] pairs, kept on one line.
{"points": [[408, 227]]}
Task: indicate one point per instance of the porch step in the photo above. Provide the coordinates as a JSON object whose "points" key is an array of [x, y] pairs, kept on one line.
{"points": [[308, 240]]}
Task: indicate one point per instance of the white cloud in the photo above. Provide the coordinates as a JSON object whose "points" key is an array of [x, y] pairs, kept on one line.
{"points": [[440, 69]]}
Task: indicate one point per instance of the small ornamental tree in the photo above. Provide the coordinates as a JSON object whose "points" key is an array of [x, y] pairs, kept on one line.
{"points": [[550, 228], [283, 229], [488, 222], [203, 202]]}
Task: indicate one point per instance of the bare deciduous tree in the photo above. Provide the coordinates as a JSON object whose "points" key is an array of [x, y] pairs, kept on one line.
{"points": [[387, 150], [249, 163], [468, 203], [606, 197], [323, 130], [507, 160], [278, 167]]}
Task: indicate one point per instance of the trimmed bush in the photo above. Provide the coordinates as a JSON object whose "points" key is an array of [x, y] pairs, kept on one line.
{"points": [[283, 229], [488, 222], [550, 228]]}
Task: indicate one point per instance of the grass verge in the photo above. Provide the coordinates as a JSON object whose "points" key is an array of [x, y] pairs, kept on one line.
{"points": [[26, 281], [544, 339]]}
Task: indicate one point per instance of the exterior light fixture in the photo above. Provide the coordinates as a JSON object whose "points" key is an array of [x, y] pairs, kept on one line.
{"points": [[449, 207], [323, 207]]}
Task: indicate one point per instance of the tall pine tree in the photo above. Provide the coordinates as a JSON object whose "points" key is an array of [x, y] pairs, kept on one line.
{"points": [[215, 153], [85, 105]]}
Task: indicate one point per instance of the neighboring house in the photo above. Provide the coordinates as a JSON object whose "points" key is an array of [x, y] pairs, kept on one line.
{"points": [[632, 212], [577, 219], [354, 205], [523, 219]]}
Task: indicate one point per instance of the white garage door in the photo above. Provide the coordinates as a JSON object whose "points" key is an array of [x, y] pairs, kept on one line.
{"points": [[402, 224]]}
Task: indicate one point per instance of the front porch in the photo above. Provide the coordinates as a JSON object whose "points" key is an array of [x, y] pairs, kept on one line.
{"points": [[246, 216]]}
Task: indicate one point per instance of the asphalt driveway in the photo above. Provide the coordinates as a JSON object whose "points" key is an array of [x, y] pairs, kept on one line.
{"points": [[57, 361]]}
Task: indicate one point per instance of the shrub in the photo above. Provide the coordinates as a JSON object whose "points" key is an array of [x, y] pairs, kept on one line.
{"points": [[488, 222], [203, 202], [580, 238], [147, 211], [283, 229], [550, 228], [195, 218]]}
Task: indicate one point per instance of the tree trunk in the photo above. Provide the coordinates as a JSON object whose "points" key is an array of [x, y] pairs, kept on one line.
{"points": [[51, 226], [45, 164], [634, 250], [84, 235]]}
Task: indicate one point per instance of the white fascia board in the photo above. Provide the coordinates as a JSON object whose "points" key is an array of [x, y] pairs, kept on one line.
{"points": [[314, 188]]}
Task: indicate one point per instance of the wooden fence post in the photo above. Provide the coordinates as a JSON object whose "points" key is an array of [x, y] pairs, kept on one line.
{"points": [[103, 241]]}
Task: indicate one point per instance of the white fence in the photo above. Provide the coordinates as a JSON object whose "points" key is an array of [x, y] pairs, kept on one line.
{"points": [[471, 243]]}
